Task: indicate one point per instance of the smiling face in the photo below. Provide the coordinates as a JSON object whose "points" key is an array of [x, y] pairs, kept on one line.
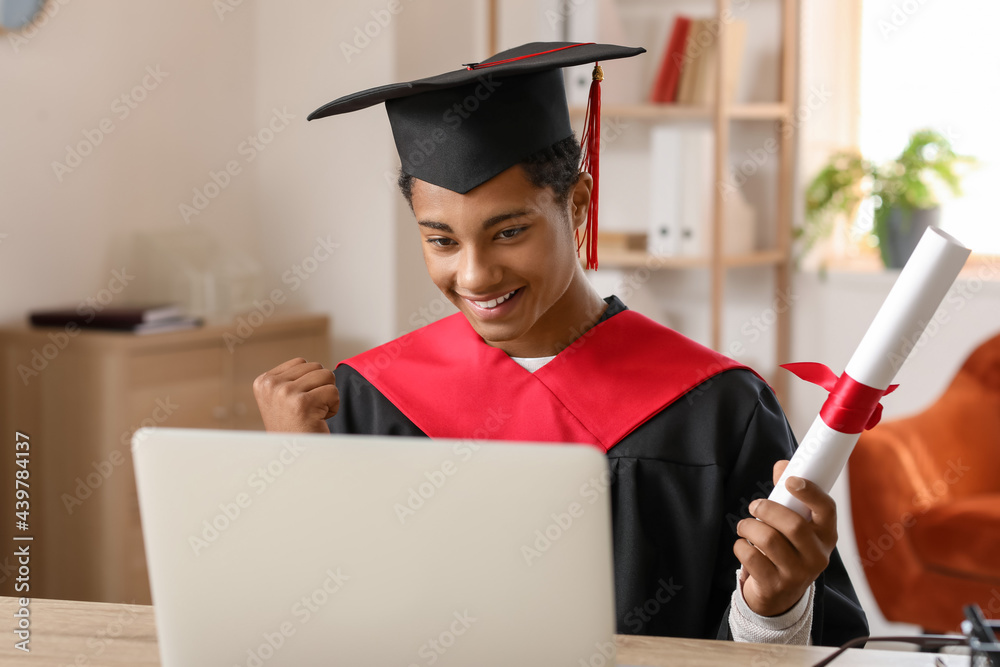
{"points": [[504, 253]]}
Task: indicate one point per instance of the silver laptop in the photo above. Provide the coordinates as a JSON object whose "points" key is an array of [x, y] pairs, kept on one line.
{"points": [[277, 549]]}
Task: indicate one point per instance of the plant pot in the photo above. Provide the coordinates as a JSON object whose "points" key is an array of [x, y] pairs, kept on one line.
{"points": [[904, 227]]}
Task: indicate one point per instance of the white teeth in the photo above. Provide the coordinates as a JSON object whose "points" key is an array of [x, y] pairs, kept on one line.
{"points": [[493, 303]]}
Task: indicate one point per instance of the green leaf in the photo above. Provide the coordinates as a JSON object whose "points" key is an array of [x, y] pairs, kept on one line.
{"points": [[907, 182]]}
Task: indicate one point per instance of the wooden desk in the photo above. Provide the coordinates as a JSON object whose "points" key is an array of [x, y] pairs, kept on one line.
{"points": [[95, 634]]}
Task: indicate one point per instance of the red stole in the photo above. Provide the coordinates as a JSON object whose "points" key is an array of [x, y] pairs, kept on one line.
{"points": [[610, 381]]}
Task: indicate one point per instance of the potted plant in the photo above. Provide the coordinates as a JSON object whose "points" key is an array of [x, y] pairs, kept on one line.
{"points": [[904, 193]]}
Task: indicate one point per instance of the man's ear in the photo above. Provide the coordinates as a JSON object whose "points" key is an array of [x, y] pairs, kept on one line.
{"points": [[579, 200]]}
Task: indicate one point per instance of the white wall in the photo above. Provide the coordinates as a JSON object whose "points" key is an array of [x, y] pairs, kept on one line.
{"points": [[226, 74], [63, 238], [324, 179]]}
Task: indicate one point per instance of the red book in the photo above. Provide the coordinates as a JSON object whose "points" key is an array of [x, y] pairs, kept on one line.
{"points": [[665, 89]]}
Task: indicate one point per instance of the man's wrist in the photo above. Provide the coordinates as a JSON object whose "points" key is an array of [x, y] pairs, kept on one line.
{"points": [[791, 627], [772, 608]]}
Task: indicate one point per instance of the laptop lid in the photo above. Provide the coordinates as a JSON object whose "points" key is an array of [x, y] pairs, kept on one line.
{"points": [[304, 549]]}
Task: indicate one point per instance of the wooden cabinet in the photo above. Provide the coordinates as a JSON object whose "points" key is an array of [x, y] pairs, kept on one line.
{"points": [[80, 398]]}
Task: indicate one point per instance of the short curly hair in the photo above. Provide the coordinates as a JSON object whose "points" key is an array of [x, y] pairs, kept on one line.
{"points": [[556, 166]]}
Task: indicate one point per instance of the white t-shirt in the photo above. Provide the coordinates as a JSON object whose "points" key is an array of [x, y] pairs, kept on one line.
{"points": [[532, 364]]}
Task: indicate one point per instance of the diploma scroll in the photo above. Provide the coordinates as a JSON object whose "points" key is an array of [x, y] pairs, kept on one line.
{"points": [[853, 404]]}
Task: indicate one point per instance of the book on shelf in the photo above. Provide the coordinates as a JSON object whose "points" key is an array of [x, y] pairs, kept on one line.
{"points": [[707, 75], [665, 190], [669, 74], [697, 173], [689, 67], [141, 319], [682, 193], [691, 61], [681, 174]]}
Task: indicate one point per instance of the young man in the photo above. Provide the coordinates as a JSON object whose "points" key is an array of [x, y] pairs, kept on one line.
{"points": [[490, 169]]}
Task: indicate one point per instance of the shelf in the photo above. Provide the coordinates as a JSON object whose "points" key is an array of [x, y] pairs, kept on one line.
{"points": [[617, 258], [754, 111], [760, 111]]}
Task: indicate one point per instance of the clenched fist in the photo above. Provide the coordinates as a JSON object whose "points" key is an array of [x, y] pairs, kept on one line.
{"points": [[297, 397]]}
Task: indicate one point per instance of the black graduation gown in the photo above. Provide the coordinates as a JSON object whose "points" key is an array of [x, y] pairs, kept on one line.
{"points": [[681, 482]]}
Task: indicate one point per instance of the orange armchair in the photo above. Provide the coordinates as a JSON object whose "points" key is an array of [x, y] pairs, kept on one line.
{"points": [[925, 499]]}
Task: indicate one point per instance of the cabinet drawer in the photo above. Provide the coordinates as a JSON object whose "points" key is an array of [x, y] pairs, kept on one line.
{"points": [[179, 388], [175, 367]]}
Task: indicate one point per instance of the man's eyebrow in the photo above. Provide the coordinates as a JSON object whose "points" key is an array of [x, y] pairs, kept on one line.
{"points": [[503, 217], [495, 220], [440, 226]]}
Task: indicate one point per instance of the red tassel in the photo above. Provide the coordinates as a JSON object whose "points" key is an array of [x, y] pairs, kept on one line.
{"points": [[591, 164]]}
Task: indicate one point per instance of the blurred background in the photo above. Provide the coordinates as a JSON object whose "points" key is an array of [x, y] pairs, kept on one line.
{"points": [[157, 152]]}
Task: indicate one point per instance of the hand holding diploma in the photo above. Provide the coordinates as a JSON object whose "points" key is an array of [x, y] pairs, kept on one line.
{"points": [[782, 553]]}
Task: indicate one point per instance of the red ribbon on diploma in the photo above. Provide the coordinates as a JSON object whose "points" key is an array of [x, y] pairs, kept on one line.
{"points": [[851, 407]]}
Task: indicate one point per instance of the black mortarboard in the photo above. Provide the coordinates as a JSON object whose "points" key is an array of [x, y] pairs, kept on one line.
{"points": [[459, 129]]}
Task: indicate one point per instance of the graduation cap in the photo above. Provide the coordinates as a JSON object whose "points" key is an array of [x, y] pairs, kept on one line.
{"points": [[459, 129]]}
